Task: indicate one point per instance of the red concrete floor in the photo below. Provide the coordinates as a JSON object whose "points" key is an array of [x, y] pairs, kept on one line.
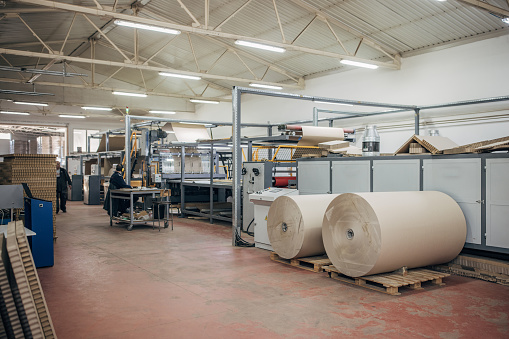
{"points": [[191, 283]]}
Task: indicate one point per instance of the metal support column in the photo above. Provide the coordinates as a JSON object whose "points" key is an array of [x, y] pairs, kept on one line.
{"points": [[88, 143], [107, 141], [81, 166], [99, 172], [315, 116], [211, 190], [182, 178], [269, 134], [127, 167], [249, 151], [331, 123], [237, 164], [417, 110]]}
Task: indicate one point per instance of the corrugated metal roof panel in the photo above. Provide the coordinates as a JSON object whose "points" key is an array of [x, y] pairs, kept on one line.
{"points": [[399, 25]]}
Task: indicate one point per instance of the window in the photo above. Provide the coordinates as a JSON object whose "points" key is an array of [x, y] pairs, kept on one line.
{"points": [[80, 137]]}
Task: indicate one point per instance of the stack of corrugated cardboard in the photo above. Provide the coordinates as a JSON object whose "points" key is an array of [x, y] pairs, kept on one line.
{"points": [[25, 313], [38, 171]]}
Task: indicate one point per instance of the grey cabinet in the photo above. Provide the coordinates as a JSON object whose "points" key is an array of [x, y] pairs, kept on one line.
{"points": [[313, 177], [396, 175], [497, 202], [460, 179], [351, 176]]}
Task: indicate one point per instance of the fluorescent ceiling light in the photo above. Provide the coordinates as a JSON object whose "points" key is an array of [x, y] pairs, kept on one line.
{"points": [[198, 101], [147, 27], [183, 76], [18, 113], [91, 108], [30, 103], [162, 112], [265, 86], [72, 116], [130, 94], [358, 64], [260, 46], [506, 20], [332, 103]]}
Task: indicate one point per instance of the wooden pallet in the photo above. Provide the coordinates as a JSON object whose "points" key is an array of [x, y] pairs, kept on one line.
{"points": [[390, 283], [313, 264]]}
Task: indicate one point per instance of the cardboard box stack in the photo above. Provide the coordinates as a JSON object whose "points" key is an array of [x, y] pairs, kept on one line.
{"points": [[36, 170]]}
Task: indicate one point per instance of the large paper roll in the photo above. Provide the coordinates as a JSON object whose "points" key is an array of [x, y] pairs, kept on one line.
{"points": [[370, 233], [313, 135], [294, 225]]}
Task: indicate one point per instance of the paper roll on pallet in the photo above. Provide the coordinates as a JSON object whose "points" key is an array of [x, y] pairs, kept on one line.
{"points": [[294, 225], [370, 233]]}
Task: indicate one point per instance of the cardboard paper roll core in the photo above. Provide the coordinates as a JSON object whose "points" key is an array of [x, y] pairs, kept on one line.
{"points": [[294, 225], [370, 233], [313, 135]]}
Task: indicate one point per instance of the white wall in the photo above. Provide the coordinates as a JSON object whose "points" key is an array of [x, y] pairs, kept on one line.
{"points": [[472, 71]]}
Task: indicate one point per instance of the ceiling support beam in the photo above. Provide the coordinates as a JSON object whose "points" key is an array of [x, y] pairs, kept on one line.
{"points": [[200, 31], [304, 29], [96, 87], [196, 22], [292, 76], [106, 37], [111, 76], [214, 85], [279, 21], [249, 69], [389, 51], [161, 49], [218, 27], [50, 42], [336, 36], [134, 66], [98, 4], [36, 36], [487, 6], [67, 35], [82, 79], [192, 50], [217, 60], [45, 68], [207, 13], [8, 63]]}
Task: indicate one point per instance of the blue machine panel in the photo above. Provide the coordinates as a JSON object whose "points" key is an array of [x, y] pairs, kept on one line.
{"points": [[39, 218]]}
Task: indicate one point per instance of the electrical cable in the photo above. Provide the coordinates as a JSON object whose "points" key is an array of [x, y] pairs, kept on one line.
{"points": [[247, 229], [241, 242]]}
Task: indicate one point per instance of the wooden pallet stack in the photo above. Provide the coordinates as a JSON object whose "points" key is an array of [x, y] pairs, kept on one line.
{"points": [[38, 171]]}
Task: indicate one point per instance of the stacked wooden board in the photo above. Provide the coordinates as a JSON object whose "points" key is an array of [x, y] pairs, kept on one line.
{"points": [[22, 305], [38, 171]]}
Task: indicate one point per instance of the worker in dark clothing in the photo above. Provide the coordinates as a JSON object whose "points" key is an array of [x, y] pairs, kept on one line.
{"points": [[117, 179], [62, 181], [118, 206]]}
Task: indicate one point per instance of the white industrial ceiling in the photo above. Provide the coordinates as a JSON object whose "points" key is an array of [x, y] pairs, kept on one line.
{"points": [[80, 36]]}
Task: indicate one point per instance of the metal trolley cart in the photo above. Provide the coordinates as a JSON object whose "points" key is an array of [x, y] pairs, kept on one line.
{"points": [[131, 194]]}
